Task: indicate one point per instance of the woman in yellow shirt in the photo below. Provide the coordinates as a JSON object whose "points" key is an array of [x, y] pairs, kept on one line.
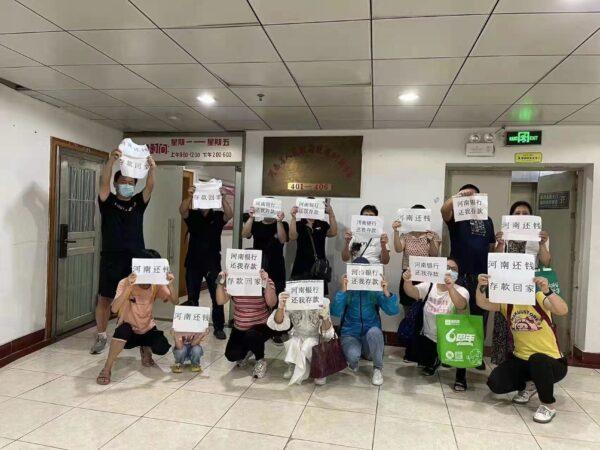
{"points": [[536, 363]]}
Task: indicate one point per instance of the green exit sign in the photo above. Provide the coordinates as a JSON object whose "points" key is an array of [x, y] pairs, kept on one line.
{"points": [[524, 137]]}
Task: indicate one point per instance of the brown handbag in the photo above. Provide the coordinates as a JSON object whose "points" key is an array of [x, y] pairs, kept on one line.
{"points": [[327, 358]]}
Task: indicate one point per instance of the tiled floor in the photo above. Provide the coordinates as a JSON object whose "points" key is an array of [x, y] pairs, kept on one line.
{"points": [[51, 399]]}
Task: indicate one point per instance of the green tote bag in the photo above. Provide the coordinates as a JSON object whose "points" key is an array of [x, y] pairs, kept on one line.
{"points": [[460, 340]]}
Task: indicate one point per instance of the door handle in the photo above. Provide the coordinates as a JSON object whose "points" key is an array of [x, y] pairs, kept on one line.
{"points": [[63, 234]]}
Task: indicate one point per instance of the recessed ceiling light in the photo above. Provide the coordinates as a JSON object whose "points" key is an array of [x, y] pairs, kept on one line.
{"points": [[206, 99], [408, 97], [173, 117]]}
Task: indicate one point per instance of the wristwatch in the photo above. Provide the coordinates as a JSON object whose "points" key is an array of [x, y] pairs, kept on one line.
{"points": [[550, 292]]}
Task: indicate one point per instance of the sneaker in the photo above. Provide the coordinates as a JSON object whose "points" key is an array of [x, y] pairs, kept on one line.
{"points": [[320, 381], [430, 371], [176, 368], [244, 362], [353, 369], [220, 334], [288, 372], [544, 414], [260, 368], [526, 394], [196, 368], [377, 379], [99, 345]]}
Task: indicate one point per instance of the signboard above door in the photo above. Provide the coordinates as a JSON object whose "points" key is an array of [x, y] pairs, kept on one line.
{"points": [[524, 137], [221, 149]]}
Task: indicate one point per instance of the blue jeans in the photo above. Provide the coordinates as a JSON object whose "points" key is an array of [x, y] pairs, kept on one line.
{"points": [[189, 351], [370, 346]]}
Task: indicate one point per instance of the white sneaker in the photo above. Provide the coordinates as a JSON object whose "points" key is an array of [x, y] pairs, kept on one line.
{"points": [[544, 414], [260, 368], [526, 394], [288, 372], [320, 381], [244, 362], [99, 345], [377, 379]]}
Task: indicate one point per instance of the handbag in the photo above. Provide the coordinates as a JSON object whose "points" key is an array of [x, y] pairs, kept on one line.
{"points": [[412, 323], [460, 340], [327, 358], [320, 270]]}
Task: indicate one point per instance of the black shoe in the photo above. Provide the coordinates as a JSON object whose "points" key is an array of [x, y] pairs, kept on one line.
{"points": [[277, 339], [482, 366], [188, 303], [430, 371], [220, 334]]}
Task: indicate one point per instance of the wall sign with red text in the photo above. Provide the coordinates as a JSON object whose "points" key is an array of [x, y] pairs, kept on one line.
{"points": [[319, 166], [194, 148]]}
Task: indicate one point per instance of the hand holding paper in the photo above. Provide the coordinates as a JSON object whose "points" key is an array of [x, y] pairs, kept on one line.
{"points": [[207, 195], [134, 159]]}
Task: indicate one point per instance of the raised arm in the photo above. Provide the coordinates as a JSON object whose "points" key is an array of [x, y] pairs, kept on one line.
{"points": [[552, 301], [434, 243], [481, 294], [227, 210], [500, 243], [173, 297], [399, 240], [333, 226], [458, 300], [270, 293], [385, 251], [247, 228], [409, 288], [544, 254], [386, 300], [124, 295], [447, 210], [293, 226], [281, 233], [107, 174], [222, 295], [147, 192], [338, 305], [186, 204], [346, 253]]}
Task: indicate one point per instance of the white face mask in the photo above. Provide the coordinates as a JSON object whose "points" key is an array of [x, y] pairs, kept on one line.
{"points": [[453, 274], [125, 190]]}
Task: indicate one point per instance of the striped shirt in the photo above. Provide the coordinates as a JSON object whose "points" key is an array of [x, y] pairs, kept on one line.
{"points": [[249, 311]]}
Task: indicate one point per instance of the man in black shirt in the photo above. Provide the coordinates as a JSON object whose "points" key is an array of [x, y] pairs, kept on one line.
{"points": [[122, 236], [203, 259]]}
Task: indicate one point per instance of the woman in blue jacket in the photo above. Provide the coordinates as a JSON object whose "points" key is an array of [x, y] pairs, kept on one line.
{"points": [[361, 325]]}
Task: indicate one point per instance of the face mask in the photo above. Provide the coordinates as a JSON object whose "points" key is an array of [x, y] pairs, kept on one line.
{"points": [[125, 190], [453, 274]]}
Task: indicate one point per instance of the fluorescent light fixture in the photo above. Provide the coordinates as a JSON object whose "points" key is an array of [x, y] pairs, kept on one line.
{"points": [[408, 97], [207, 99]]}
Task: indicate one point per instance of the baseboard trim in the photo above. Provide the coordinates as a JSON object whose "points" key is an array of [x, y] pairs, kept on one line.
{"points": [[580, 358], [23, 346]]}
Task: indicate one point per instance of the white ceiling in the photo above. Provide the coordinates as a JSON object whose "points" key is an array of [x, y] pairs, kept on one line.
{"points": [[139, 65]]}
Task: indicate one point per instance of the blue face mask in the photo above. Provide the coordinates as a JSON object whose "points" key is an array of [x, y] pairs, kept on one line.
{"points": [[453, 275], [125, 190]]}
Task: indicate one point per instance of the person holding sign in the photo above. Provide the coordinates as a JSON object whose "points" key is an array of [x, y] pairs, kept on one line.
{"points": [[250, 330], [122, 235], [502, 345], [360, 323], [439, 298], [307, 325], [310, 251], [136, 327], [374, 249], [203, 259], [413, 243], [187, 347], [536, 363]]}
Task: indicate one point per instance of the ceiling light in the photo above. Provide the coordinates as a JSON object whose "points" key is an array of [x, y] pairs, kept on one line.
{"points": [[408, 97], [206, 99], [474, 138], [173, 117]]}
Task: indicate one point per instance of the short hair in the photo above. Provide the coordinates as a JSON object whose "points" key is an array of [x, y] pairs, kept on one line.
{"points": [[470, 186], [371, 208], [515, 205], [418, 207], [118, 175]]}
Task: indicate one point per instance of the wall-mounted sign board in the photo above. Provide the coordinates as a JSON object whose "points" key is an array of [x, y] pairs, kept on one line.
{"points": [[222, 149], [524, 137], [528, 157], [554, 200]]}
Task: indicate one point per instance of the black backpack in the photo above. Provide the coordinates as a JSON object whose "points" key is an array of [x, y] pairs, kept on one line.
{"points": [[412, 324]]}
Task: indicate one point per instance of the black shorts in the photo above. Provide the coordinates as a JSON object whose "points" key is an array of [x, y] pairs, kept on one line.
{"points": [[113, 268], [154, 338]]}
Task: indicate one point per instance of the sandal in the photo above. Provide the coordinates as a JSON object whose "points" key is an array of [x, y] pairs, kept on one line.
{"points": [[460, 386], [103, 377], [146, 355]]}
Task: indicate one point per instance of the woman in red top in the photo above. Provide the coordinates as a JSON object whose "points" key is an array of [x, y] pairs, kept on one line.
{"points": [[250, 330]]}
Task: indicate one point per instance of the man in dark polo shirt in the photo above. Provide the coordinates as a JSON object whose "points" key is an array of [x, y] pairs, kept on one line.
{"points": [[203, 259], [122, 236]]}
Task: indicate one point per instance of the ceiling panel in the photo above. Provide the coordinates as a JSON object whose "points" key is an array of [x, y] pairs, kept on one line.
{"points": [[222, 96], [252, 74], [425, 37], [177, 75], [282, 124], [453, 124], [227, 112], [412, 8], [505, 69], [44, 98], [561, 94], [149, 124], [343, 112], [591, 46], [481, 113], [241, 125], [576, 69], [485, 94], [56, 48], [136, 46], [281, 114], [401, 72], [110, 123], [272, 96], [526, 114], [84, 97], [39, 78], [193, 13], [9, 58], [521, 6], [181, 117], [105, 77], [90, 15], [402, 123], [120, 112], [16, 18], [589, 113], [144, 97], [82, 113], [322, 41], [428, 95], [404, 112], [338, 95], [328, 73], [346, 124], [527, 34], [201, 125], [219, 45], [293, 11]]}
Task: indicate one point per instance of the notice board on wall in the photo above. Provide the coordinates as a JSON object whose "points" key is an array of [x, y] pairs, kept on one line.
{"points": [[319, 166]]}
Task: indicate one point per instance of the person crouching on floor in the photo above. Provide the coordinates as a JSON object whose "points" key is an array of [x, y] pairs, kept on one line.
{"points": [[136, 327], [250, 330], [306, 325], [187, 348]]}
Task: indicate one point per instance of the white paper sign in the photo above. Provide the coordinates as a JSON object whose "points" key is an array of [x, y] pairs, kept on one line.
{"points": [[207, 195], [521, 228], [428, 269], [150, 270], [134, 159], [191, 319], [471, 207], [304, 294], [511, 278], [244, 284], [243, 261], [266, 208], [364, 277], [367, 226], [414, 219], [310, 208]]}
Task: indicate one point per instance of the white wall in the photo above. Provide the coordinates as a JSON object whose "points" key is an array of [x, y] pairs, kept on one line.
{"points": [[26, 126], [404, 167]]}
